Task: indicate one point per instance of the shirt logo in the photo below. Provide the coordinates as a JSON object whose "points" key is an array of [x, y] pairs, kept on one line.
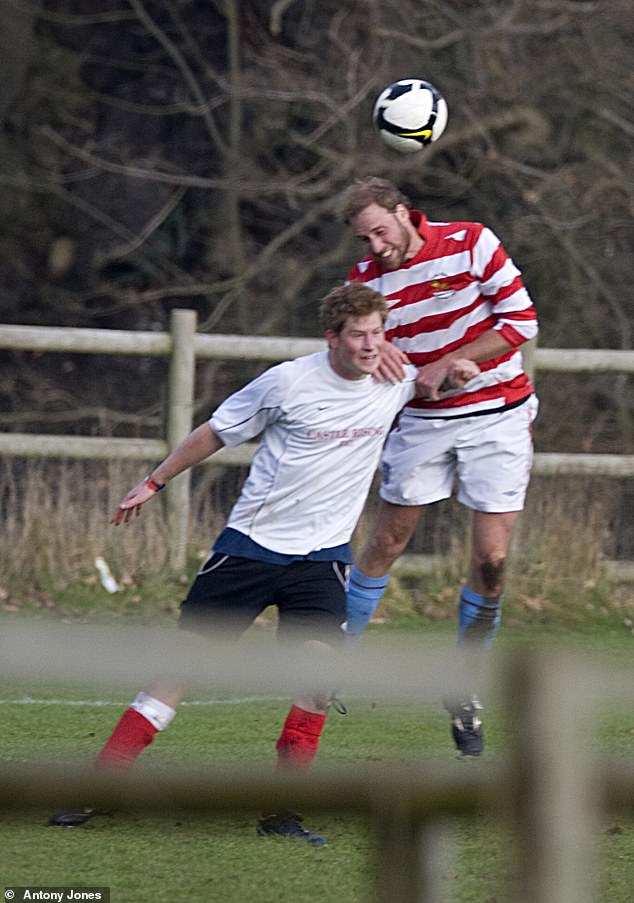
{"points": [[441, 287], [346, 434]]}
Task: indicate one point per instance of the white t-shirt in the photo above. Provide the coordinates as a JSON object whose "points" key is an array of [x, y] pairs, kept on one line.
{"points": [[322, 436]]}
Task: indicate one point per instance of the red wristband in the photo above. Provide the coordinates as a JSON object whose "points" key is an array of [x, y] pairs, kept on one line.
{"points": [[153, 485]]}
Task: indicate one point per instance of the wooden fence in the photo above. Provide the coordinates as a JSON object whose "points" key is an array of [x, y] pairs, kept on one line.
{"points": [[550, 785], [183, 346]]}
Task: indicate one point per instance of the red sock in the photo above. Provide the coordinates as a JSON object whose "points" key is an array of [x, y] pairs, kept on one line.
{"points": [[299, 741], [127, 741]]}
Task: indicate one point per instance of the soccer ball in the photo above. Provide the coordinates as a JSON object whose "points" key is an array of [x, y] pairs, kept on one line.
{"points": [[410, 114]]}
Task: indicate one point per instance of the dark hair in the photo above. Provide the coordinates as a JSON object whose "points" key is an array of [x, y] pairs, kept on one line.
{"points": [[351, 300], [371, 190]]}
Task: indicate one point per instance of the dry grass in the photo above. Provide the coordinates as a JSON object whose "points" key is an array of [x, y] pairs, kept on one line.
{"points": [[55, 521], [556, 569]]}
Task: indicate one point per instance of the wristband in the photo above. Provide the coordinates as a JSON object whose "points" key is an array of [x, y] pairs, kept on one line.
{"points": [[153, 485]]}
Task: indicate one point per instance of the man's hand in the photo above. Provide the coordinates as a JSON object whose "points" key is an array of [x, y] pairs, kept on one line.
{"points": [[390, 368], [200, 444], [443, 375], [131, 505], [460, 372]]}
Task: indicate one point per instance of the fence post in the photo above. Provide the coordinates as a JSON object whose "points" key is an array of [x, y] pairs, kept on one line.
{"points": [[557, 799], [399, 867], [179, 424], [529, 356]]}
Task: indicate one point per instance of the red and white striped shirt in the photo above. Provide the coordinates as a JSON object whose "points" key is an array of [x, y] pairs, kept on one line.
{"points": [[460, 284]]}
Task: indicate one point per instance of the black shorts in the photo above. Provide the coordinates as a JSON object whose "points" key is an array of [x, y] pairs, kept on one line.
{"points": [[229, 593]]}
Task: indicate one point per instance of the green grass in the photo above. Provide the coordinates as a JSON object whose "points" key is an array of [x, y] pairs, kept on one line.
{"points": [[183, 857]]}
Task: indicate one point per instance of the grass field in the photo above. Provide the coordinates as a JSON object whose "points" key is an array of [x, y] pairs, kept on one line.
{"points": [[195, 858]]}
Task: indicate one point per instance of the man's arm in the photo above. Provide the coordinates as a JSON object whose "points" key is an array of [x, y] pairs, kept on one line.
{"points": [[431, 376], [458, 372], [200, 444]]}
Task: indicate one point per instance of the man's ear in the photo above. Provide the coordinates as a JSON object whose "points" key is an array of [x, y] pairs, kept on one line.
{"points": [[331, 338], [402, 213]]}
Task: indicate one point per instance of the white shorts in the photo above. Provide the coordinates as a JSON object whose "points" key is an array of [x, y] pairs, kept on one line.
{"points": [[490, 455]]}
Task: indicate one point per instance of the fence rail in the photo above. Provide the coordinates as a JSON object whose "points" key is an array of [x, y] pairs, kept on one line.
{"points": [[183, 346], [269, 348]]}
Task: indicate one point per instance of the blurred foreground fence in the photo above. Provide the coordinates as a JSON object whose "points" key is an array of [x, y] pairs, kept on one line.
{"points": [[552, 786], [183, 346]]}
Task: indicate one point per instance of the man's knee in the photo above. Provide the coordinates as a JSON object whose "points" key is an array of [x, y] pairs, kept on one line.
{"points": [[389, 542], [391, 534], [492, 569]]}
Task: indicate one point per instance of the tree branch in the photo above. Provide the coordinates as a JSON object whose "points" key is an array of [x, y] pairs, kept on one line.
{"points": [[277, 13], [68, 18], [151, 226], [303, 185], [183, 67]]}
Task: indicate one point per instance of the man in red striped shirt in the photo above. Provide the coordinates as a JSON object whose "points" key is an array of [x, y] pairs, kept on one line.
{"points": [[452, 291]]}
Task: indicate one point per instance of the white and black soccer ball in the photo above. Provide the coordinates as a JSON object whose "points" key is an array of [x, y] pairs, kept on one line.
{"points": [[410, 114]]}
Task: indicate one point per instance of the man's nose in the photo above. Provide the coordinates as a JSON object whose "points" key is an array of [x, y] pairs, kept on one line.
{"points": [[377, 245]]}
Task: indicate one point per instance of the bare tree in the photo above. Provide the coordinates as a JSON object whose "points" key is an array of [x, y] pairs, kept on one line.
{"points": [[165, 153]]}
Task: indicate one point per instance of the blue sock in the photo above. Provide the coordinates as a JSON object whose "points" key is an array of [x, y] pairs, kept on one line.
{"points": [[479, 617], [363, 596]]}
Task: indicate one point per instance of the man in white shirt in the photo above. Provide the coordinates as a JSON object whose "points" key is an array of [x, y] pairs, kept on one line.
{"points": [[323, 420]]}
